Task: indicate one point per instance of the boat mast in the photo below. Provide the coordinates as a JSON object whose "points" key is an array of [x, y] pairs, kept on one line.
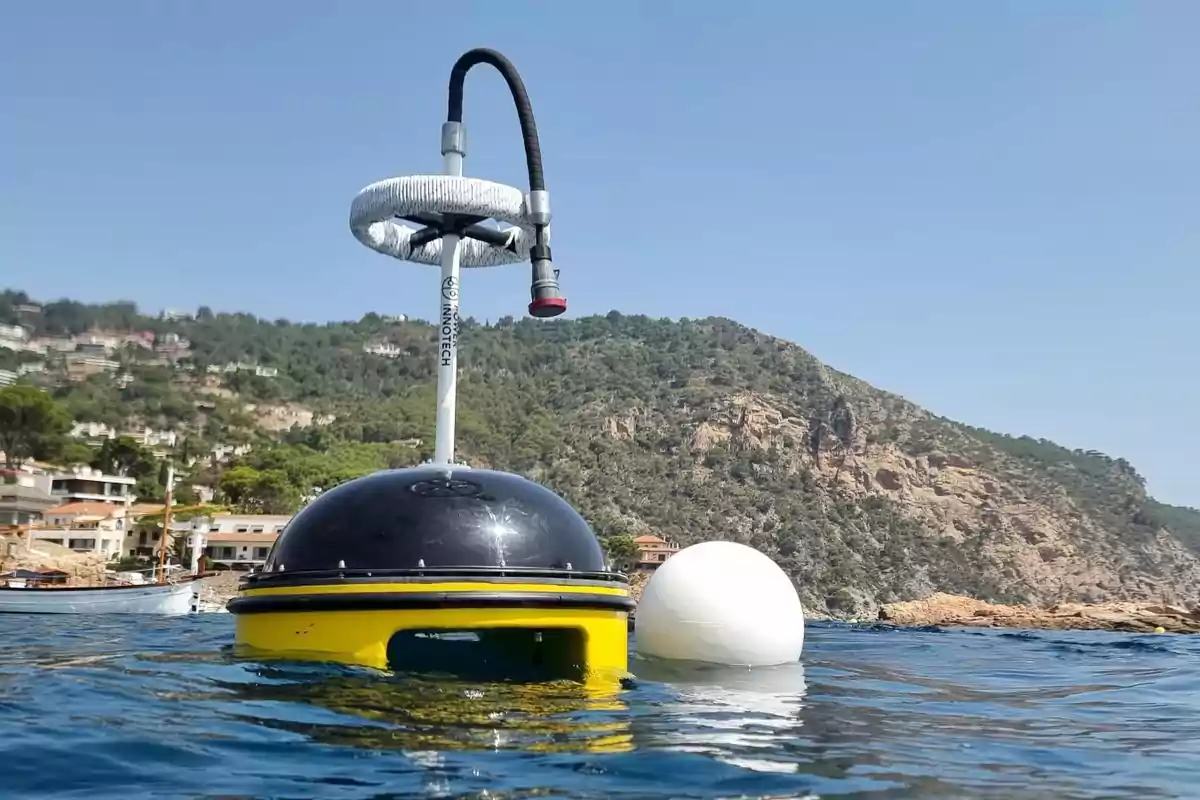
{"points": [[166, 531]]}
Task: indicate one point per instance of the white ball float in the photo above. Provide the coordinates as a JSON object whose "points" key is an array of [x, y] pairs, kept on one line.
{"points": [[720, 603]]}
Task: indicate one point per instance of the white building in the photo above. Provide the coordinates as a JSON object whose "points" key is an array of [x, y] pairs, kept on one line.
{"points": [[48, 344], [83, 365], [238, 550], [223, 451], [242, 541], [149, 437], [384, 349], [13, 337], [97, 432], [85, 484], [94, 432], [95, 343], [83, 527], [22, 503], [249, 523]]}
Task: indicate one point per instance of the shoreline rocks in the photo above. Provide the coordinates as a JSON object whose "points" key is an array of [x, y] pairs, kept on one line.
{"points": [[1130, 616], [217, 590], [945, 610]]}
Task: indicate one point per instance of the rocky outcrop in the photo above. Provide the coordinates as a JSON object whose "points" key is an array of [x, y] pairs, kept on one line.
{"points": [[1025, 537], [82, 569], [946, 609]]}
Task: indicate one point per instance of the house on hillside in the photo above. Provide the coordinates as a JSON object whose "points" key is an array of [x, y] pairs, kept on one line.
{"points": [[242, 366], [13, 332], [51, 344], [65, 514], [88, 527], [222, 452], [242, 541], [81, 365], [653, 551], [94, 433], [172, 346], [144, 540], [95, 343], [13, 337], [250, 523], [85, 484], [239, 541], [143, 340], [23, 503], [384, 349], [240, 551], [153, 439]]}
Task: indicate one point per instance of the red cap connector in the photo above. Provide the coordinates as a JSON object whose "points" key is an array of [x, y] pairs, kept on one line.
{"points": [[547, 307]]}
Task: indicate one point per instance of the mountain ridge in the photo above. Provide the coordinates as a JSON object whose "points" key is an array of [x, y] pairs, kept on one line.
{"points": [[692, 429]]}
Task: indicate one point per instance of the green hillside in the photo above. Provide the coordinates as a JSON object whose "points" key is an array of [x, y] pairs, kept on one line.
{"points": [[691, 429]]}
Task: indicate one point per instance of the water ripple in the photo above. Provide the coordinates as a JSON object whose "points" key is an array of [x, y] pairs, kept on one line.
{"points": [[159, 708]]}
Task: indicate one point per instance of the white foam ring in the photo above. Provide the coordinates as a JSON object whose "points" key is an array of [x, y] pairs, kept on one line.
{"points": [[374, 210]]}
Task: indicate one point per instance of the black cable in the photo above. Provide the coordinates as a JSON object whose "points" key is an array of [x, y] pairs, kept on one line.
{"points": [[458, 77], [546, 301]]}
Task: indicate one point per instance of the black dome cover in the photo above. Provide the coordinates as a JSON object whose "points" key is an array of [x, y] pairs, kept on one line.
{"points": [[443, 516]]}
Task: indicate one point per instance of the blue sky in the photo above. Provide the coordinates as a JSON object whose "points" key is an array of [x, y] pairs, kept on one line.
{"points": [[990, 208]]}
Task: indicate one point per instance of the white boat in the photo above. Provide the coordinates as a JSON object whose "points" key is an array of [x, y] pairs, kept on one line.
{"points": [[152, 598]]}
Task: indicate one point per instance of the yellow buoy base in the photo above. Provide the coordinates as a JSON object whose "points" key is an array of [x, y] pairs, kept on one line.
{"points": [[364, 637]]}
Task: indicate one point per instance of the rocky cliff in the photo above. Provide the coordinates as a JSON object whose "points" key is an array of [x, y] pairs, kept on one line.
{"points": [[1019, 537], [867, 499]]}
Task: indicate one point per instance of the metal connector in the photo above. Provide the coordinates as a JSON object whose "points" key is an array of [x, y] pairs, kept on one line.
{"points": [[454, 138], [539, 206], [546, 297], [545, 279]]}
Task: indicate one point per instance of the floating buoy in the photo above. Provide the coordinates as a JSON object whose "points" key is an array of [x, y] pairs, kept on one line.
{"points": [[442, 568], [474, 573], [720, 603]]}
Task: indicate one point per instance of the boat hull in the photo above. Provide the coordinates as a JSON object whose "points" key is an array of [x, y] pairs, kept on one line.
{"points": [[167, 599]]}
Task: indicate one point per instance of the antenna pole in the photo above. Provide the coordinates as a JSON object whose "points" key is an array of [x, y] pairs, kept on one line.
{"points": [[453, 151], [450, 208]]}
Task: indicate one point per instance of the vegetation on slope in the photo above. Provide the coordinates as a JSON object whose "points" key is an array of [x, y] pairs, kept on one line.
{"points": [[608, 410]]}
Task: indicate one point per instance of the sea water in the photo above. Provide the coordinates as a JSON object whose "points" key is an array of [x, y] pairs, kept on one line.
{"points": [[95, 707]]}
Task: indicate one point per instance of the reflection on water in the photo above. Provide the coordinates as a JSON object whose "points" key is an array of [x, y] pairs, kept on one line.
{"points": [[715, 711], [733, 714], [161, 708], [411, 712]]}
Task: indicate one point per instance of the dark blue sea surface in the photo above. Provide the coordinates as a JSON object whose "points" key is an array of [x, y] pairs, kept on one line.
{"points": [[133, 708]]}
